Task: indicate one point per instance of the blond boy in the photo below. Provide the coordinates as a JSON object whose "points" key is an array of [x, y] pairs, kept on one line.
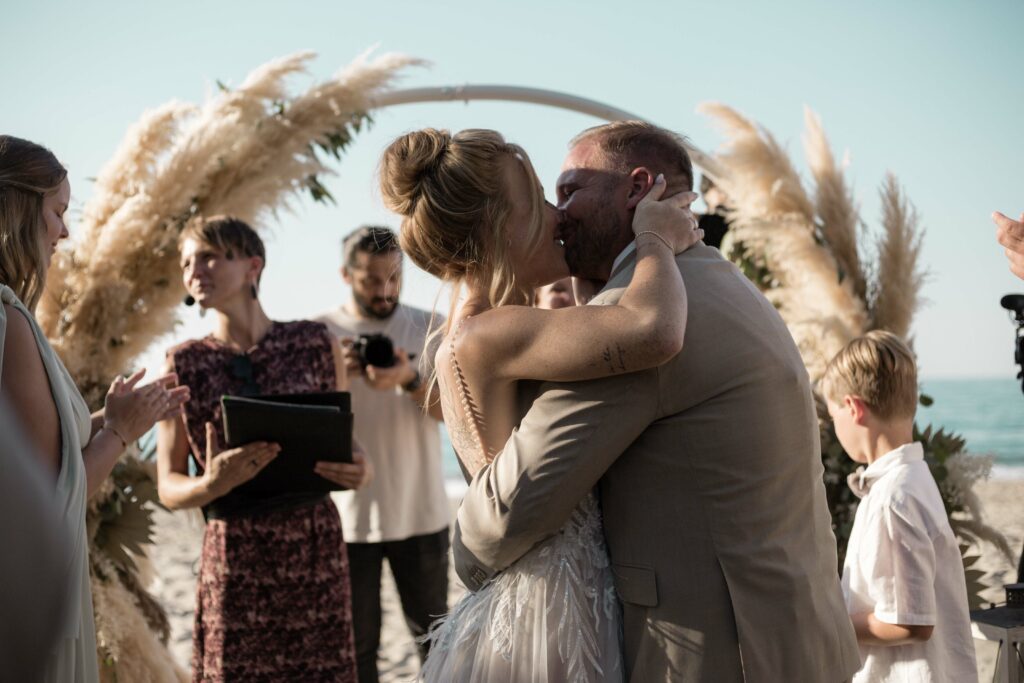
{"points": [[903, 579]]}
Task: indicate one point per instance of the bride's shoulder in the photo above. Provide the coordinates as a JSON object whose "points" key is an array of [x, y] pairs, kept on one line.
{"points": [[481, 337]]}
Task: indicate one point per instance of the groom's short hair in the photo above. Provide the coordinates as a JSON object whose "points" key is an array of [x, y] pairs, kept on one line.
{"points": [[629, 144]]}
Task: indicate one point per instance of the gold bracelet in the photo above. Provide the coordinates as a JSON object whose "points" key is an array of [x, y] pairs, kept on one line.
{"points": [[663, 240], [110, 428]]}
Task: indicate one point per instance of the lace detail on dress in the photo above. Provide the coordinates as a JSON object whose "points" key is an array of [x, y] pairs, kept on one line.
{"points": [[552, 616], [469, 427]]}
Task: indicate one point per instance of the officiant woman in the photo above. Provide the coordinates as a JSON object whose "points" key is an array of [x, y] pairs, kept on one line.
{"points": [[273, 599]]}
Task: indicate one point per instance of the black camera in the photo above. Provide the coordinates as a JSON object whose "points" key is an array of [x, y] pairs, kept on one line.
{"points": [[714, 226], [1015, 304], [375, 349]]}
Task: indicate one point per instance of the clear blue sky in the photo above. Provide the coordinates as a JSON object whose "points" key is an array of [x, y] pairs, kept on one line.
{"points": [[930, 90]]}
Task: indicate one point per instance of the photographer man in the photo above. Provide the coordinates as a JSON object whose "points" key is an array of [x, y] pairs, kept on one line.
{"points": [[403, 514]]}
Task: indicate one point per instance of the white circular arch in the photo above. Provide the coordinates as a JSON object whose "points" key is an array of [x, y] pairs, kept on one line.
{"points": [[510, 93]]}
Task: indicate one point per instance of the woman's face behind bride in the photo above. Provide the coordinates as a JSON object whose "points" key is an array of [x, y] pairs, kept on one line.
{"points": [[542, 261]]}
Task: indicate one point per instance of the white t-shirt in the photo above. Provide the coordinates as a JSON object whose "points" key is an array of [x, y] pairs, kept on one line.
{"points": [[903, 563], [407, 495]]}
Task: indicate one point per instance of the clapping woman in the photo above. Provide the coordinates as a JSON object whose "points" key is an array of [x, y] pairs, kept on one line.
{"points": [[273, 597], [78, 450]]}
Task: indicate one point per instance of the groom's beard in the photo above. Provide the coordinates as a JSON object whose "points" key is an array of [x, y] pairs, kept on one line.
{"points": [[591, 245]]}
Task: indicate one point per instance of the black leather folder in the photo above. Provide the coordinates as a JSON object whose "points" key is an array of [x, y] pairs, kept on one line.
{"points": [[308, 427]]}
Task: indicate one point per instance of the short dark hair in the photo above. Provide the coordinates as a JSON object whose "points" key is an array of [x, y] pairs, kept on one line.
{"points": [[368, 239], [227, 233], [639, 143]]}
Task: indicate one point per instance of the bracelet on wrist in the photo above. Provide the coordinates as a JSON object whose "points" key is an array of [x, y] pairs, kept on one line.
{"points": [[651, 232], [110, 428]]}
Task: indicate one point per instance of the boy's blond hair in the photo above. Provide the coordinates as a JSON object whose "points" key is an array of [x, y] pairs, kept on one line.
{"points": [[880, 369]]}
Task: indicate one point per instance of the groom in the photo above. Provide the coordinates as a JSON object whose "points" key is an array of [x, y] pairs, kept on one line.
{"points": [[709, 467]]}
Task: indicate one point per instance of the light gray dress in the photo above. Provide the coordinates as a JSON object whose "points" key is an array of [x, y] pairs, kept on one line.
{"points": [[74, 657]]}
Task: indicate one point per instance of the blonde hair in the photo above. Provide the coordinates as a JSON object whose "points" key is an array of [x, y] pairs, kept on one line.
{"points": [[450, 191], [880, 369], [28, 173]]}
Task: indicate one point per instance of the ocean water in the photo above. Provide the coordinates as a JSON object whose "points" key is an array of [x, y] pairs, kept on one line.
{"points": [[989, 413]]}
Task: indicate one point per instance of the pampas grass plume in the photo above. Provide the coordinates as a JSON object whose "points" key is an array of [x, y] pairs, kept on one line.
{"points": [[897, 294], [837, 214], [246, 152]]}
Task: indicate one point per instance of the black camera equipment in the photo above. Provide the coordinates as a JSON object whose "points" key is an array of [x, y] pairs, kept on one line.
{"points": [[714, 226], [375, 349], [1015, 304]]}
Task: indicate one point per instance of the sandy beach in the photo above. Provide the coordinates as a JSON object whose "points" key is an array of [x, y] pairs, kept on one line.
{"points": [[179, 535], [175, 556]]}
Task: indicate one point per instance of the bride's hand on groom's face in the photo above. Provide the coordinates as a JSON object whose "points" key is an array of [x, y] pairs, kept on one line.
{"points": [[669, 217]]}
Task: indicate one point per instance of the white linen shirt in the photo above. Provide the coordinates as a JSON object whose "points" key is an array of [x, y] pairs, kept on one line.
{"points": [[903, 563], [406, 496]]}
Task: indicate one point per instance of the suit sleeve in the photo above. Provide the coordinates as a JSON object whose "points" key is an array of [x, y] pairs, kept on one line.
{"points": [[570, 436]]}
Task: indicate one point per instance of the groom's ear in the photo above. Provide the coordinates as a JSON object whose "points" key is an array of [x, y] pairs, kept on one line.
{"points": [[641, 180]]}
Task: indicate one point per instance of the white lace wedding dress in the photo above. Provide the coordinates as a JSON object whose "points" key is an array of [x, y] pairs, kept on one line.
{"points": [[551, 617]]}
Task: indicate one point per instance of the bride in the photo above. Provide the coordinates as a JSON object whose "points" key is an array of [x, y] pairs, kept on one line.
{"points": [[474, 215]]}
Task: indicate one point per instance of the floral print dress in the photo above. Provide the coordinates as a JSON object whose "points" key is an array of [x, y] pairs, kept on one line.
{"points": [[273, 600]]}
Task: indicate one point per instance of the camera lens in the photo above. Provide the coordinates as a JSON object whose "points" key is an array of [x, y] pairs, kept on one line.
{"points": [[376, 350]]}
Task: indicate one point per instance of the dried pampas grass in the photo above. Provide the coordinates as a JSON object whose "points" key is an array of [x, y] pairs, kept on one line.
{"points": [[833, 202], [776, 224], [130, 170], [130, 649], [755, 171], [246, 152], [813, 267], [897, 293], [808, 261]]}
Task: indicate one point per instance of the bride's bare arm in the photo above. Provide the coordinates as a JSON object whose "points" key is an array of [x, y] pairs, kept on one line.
{"points": [[644, 330]]}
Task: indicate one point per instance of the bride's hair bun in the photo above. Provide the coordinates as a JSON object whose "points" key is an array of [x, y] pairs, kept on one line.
{"points": [[453, 194], [406, 165]]}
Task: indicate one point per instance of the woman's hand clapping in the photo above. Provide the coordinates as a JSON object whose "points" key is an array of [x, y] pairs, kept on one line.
{"points": [[130, 411], [227, 469], [670, 219]]}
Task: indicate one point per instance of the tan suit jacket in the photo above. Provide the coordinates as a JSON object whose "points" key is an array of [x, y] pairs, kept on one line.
{"points": [[711, 487]]}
